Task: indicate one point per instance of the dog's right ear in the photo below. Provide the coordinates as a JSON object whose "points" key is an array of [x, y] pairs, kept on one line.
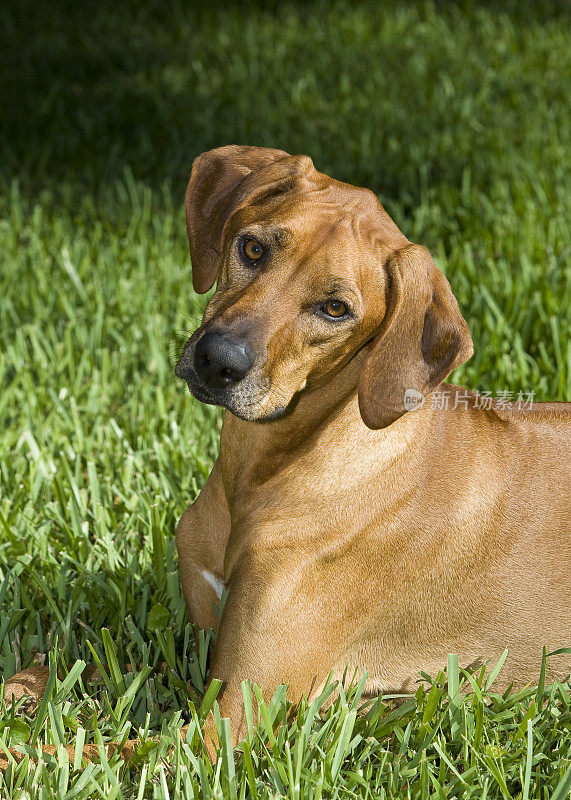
{"points": [[214, 190]]}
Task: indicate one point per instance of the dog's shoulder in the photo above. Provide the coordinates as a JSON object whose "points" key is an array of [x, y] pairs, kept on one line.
{"points": [[552, 413]]}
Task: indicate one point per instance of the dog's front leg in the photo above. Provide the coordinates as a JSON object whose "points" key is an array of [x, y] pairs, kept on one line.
{"points": [[278, 626], [201, 538]]}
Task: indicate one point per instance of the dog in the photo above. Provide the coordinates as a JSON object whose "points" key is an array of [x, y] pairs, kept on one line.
{"points": [[353, 521], [348, 530]]}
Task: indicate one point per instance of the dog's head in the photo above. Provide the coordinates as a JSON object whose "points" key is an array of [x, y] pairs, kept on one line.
{"points": [[310, 270]]}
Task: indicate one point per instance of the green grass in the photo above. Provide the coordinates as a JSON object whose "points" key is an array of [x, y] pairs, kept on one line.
{"points": [[457, 117]]}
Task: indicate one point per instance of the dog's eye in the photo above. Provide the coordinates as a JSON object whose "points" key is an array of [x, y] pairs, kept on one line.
{"points": [[335, 309], [251, 249]]}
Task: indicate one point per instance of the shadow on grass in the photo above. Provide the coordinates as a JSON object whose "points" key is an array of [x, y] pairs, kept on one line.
{"points": [[386, 95]]}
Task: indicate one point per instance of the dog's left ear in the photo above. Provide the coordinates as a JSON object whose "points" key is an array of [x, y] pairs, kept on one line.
{"points": [[422, 338]]}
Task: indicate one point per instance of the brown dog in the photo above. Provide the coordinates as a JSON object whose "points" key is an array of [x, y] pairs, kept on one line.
{"points": [[348, 531]]}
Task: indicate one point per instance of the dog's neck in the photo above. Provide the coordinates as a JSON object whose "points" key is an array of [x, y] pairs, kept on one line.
{"points": [[251, 452]]}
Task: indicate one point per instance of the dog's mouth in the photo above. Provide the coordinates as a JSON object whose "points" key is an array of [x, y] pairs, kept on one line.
{"points": [[249, 399]]}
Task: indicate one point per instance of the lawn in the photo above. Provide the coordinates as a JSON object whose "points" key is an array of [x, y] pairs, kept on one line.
{"points": [[457, 115]]}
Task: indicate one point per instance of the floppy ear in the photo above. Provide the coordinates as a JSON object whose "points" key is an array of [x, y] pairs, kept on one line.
{"points": [[423, 337], [220, 182]]}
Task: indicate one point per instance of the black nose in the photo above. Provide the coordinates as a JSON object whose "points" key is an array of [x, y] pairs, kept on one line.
{"points": [[220, 360]]}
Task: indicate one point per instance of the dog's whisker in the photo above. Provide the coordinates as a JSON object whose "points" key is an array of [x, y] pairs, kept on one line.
{"points": [[198, 306]]}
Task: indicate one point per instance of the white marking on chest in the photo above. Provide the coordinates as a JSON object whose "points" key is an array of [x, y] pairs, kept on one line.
{"points": [[215, 582]]}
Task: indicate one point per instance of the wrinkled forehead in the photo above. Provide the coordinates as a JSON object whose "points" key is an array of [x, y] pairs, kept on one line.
{"points": [[325, 218]]}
